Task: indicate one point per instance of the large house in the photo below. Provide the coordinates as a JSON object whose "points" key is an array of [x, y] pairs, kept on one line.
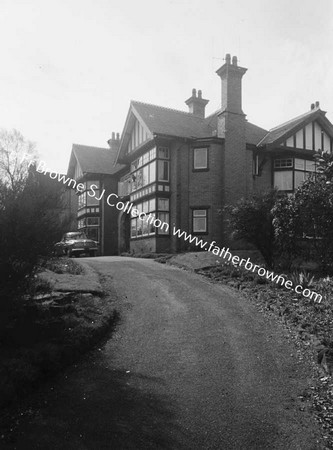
{"points": [[182, 168]]}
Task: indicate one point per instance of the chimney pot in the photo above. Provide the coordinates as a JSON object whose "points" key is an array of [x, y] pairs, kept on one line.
{"points": [[196, 104], [114, 141], [231, 78], [317, 104], [312, 105]]}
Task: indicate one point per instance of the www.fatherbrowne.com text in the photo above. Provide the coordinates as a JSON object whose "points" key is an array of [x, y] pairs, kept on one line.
{"points": [[150, 218]]}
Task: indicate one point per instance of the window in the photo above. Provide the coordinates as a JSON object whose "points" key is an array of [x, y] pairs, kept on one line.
{"points": [[92, 221], [200, 158], [303, 170], [199, 219], [310, 166], [283, 163], [90, 195], [144, 159], [283, 180], [299, 170], [163, 152], [299, 178], [299, 164], [90, 226], [163, 204], [163, 170], [82, 200], [144, 176], [141, 227], [164, 218], [146, 168]]}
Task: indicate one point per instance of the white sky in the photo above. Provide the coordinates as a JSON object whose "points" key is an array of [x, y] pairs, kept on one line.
{"points": [[69, 68]]}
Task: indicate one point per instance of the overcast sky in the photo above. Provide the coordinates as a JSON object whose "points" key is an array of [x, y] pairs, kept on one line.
{"points": [[69, 68]]}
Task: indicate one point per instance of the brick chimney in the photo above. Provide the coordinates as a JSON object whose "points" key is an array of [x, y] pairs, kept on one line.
{"points": [[231, 76], [231, 123], [114, 142], [197, 105]]}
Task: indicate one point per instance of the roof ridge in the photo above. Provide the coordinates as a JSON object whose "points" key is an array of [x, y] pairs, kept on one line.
{"points": [[301, 116], [91, 146], [213, 113], [167, 108]]}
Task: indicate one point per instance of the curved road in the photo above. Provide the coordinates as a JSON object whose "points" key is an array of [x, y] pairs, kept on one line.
{"points": [[191, 365]]}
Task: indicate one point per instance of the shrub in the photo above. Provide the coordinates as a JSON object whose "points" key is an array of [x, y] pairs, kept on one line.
{"points": [[304, 223], [29, 225], [252, 220]]}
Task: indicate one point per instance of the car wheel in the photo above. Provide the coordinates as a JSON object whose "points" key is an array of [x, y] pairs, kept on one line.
{"points": [[92, 253]]}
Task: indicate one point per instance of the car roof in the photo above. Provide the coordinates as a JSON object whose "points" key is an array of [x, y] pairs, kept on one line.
{"points": [[72, 233]]}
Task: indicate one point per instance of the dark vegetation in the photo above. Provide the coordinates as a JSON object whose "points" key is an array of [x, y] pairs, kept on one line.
{"points": [[31, 220], [289, 230], [52, 330], [40, 330]]}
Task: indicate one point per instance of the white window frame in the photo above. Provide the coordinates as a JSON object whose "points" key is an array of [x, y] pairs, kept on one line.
{"points": [[200, 213], [198, 167]]}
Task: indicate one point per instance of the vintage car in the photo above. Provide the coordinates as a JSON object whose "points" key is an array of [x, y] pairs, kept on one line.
{"points": [[75, 243]]}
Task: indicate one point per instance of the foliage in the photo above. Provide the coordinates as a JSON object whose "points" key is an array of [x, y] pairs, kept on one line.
{"points": [[302, 278], [31, 218], [16, 154], [64, 265], [324, 162], [304, 222], [29, 226], [252, 220]]}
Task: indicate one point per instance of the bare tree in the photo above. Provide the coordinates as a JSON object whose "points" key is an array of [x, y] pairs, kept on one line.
{"points": [[16, 156]]}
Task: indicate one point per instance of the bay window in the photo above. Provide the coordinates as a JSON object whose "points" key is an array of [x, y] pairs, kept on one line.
{"points": [[153, 209], [152, 166], [290, 173], [84, 199], [163, 170]]}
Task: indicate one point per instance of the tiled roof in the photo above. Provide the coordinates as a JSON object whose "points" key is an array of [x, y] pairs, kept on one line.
{"points": [[172, 122], [96, 159], [278, 132], [253, 133]]}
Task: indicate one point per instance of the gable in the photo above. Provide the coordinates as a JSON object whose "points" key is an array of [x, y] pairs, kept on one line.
{"points": [[310, 131], [312, 136], [87, 159], [77, 170], [145, 120], [138, 135]]}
